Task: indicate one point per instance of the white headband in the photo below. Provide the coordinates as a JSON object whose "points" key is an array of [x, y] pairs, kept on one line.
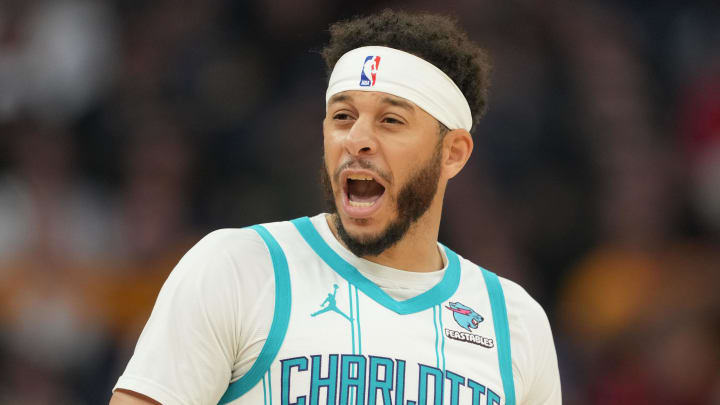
{"points": [[388, 70]]}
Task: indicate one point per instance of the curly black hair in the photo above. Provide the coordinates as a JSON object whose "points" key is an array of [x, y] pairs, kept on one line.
{"points": [[434, 38]]}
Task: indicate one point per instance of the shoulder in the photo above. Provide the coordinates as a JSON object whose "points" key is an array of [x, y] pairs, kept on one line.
{"points": [[225, 258], [528, 322], [533, 350], [521, 306], [231, 241], [237, 246], [526, 317], [534, 359]]}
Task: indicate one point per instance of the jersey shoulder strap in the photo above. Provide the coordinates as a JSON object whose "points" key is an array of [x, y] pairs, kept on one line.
{"points": [[502, 333], [278, 327]]}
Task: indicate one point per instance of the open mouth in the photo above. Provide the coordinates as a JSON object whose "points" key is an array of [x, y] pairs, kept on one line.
{"points": [[362, 190], [474, 322]]}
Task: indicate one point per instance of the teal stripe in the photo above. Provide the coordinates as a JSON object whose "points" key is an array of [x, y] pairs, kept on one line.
{"points": [[269, 378], [357, 310], [278, 328], [352, 320], [502, 333], [435, 296], [264, 392], [442, 336], [437, 338]]}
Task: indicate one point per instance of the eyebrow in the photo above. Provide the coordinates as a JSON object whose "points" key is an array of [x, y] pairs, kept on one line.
{"points": [[399, 103], [338, 98], [387, 100]]}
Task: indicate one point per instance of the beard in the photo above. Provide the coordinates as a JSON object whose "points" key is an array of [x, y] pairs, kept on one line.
{"points": [[413, 200]]}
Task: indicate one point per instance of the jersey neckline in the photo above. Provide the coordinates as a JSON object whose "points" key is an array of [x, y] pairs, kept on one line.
{"points": [[387, 278], [434, 296]]}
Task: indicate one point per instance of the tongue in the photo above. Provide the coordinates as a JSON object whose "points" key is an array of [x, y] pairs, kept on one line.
{"points": [[364, 190]]}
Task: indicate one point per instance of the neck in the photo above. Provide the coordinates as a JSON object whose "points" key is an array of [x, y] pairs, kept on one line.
{"points": [[417, 251]]}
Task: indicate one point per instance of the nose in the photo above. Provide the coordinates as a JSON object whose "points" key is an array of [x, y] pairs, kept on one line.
{"points": [[360, 139]]}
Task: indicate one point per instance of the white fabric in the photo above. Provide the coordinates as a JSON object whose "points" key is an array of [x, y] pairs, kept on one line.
{"points": [[214, 312], [404, 75]]}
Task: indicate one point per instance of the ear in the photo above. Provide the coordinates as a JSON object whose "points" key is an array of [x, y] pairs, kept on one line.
{"points": [[457, 147]]}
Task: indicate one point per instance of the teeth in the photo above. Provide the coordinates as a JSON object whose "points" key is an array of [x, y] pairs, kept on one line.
{"points": [[361, 204], [359, 177]]}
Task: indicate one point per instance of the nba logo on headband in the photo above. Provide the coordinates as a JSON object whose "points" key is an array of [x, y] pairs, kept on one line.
{"points": [[369, 69]]}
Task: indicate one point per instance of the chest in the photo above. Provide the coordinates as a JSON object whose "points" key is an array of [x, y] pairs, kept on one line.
{"points": [[348, 344]]}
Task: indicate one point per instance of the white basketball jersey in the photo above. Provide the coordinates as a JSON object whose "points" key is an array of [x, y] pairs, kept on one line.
{"points": [[337, 338], [283, 314]]}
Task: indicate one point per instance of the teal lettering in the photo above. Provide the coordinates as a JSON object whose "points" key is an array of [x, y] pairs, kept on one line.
{"points": [[456, 381], [400, 383], [384, 385], [437, 374], [492, 398], [329, 382], [301, 364], [354, 379], [348, 380], [477, 390]]}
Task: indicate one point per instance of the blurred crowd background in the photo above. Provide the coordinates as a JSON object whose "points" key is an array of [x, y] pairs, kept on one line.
{"points": [[129, 129]]}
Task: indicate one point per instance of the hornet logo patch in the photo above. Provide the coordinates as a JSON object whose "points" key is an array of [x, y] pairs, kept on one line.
{"points": [[464, 315]]}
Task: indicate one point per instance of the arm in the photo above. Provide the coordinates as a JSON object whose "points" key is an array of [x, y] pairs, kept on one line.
{"points": [[190, 348], [125, 397]]}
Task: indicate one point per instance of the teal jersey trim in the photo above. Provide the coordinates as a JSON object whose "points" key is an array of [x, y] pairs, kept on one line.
{"points": [[436, 295], [278, 328], [352, 317], [357, 318], [502, 333], [437, 337], [264, 391], [442, 336], [267, 388]]}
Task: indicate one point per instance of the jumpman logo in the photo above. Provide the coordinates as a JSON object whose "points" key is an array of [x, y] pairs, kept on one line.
{"points": [[331, 305]]}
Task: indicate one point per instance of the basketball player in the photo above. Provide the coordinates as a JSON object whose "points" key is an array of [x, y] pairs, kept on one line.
{"points": [[361, 305]]}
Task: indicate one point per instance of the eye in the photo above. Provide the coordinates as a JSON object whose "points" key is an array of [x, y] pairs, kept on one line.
{"points": [[392, 120], [341, 116]]}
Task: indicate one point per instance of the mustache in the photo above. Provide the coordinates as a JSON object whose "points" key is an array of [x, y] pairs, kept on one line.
{"points": [[362, 164]]}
